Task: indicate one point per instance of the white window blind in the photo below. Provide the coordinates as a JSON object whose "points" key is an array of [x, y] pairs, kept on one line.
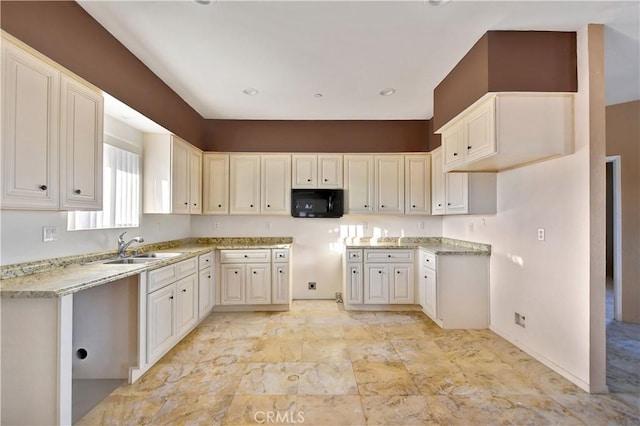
{"points": [[121, 194]]}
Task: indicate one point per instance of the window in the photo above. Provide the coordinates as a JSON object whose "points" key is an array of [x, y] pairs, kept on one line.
{"points": [[121, 194]]}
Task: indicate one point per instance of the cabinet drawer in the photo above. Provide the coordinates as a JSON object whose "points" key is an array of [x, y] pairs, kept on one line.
{"points": [[160, 277], [354, 255], [388, 255], [205, 260], [428, 259], [187, 267], [280, 255], [245, 256]]}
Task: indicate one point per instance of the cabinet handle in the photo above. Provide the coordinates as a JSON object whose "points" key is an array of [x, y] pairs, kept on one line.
{"points": [[455, 154], [251, 205], [170, 297], [308, 180], [43, 187], [184, 290], [186, 203], [254, 272], [428, 260], [382, 206], [281, 271], [268, 205], [235, 272], [326, 180], [425, 276], [379, 272], [209, 276], [469, 147], [413, 206], [77, 191], [439, 204], [448, 204], [354, 272], [195, 204], [366, 206], [397, 272], [246, 255], [388, 255], [219, 205]]}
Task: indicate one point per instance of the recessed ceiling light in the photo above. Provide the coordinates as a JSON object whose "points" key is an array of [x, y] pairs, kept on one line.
{"points": [[388, 92], [250, 91], [318, 95]]}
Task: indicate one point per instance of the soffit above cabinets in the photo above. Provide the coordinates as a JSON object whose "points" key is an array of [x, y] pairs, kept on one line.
{"points": [[331, 60]]}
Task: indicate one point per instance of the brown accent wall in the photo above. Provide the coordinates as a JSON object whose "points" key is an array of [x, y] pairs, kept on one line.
{"points": [[64, 32], [504, 61], [623, 139], [317, 136]]}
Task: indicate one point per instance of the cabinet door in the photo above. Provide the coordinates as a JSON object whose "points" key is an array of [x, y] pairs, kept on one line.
{"points": [[258, 284], [280, 284], [216, 183], [417, 183], [305, 171], [330, 171], [244, 192], [437, 183], [179, 177], [30, 107], [389, 183], [402, 283], [479, 132], [429, 303], [205, 292], [376, 284], [354, 284], [187, 303], [195, 181], [456, 193], [276, 184], [161, 329], [232, 285], [358, 183], [453, 147], [81, 118]]}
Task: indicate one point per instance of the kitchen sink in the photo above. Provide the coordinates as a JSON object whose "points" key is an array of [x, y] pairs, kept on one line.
{"points": [[162, 255], [141, 258]]}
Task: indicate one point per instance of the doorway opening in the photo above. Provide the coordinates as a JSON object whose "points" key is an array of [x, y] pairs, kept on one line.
{"points": [[613, 280]]}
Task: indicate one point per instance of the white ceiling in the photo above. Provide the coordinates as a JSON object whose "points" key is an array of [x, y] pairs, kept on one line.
{"points": [[347, 51]]}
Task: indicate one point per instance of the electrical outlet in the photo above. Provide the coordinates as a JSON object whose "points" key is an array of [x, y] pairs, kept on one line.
{"points": [[338, 297], [540, 234], [312, 285], [519, 319], [49, 233]]}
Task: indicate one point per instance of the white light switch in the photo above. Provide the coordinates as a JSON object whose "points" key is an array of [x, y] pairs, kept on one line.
{"points": [[540, 234], [49, 233]]}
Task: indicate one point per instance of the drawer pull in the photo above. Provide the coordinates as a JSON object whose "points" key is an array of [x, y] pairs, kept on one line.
{"points": [[455, 154], [246, 255], [184, 290], [219, 205], [326, 180], [469, 147], [397, 272], [235, 272], [170, 297], [209, 276], [413, 206], [254, 272], [281, 271], [268, 205], [379, 272], [251, 205], [308, 180], [43, 187], [382, 206], [388, 255], [366, 206], [77, 191]]}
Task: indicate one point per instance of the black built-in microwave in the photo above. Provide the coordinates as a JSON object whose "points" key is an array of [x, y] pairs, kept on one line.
{"points": [[317, 202]]}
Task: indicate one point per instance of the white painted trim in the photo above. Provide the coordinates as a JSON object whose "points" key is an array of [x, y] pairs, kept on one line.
{"points": [[617, 236], [65, 359], [136, 372], [552, 365]]}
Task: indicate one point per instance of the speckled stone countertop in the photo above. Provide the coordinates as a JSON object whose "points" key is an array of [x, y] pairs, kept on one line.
{"points": [[65, 275], [436, 245]]}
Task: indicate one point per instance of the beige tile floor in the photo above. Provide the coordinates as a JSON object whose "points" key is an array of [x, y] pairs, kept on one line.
{"points": [[320, 365]]}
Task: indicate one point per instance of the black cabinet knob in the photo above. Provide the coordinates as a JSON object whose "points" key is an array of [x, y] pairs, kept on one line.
{"points": [[184, 290], [170, 297], [469, 147], [209, 276], [254, 272], [379, 272], [308, 180], [397, 272], [195, 204], [382, 206], [186, 204], [326, 180], [388, 255], [77, 191], [439, 204], [268, 205], [235, 272], [413, 206], [219, 205], [281, 271], [43, 187], [425, 276], [448, 204], [246, 255], [354, 272], [251, 205], [366, 206], [455, 154]]}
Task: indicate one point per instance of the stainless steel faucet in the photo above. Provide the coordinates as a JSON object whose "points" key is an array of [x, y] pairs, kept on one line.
{"points": [[122, 246]]}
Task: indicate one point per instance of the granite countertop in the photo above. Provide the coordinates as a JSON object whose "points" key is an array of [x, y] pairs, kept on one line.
{"points": [[436, 245], [61, 276]]}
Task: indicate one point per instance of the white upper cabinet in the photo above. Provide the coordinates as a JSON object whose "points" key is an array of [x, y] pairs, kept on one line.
{"points": [[417, 184], [358, 183], [51, 134], [244, 185], [389, 179], [215, 177], [172, 175], [275, 184], [461, 193], [507, 130], [317, 171], [81, 133]]}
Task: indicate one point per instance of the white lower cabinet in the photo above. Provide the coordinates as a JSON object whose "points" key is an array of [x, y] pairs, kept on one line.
{"points": [[172, 305], [379, 277], [455, 290], [255, 277], [206, 289]]}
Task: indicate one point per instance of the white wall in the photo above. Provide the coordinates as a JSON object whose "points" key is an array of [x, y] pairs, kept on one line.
{"points": [[317, 256], [547, 281], [22, 230]]}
